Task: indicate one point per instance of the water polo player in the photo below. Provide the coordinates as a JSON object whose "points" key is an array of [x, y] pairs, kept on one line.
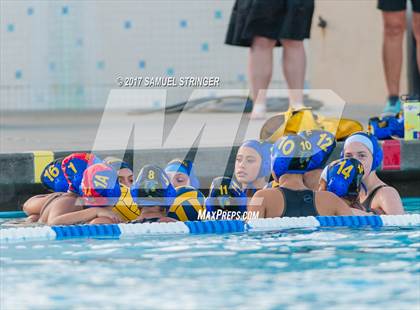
{"points": [[289, 161], [154, 193], [126, 208], [101, 191], [323, 144], [252, 165], [53, 179], [343, 177], [377, 197], [181, 173], [125, 173], [73, 167], [226, 194]]}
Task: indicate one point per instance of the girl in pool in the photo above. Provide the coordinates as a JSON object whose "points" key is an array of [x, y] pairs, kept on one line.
{"points": [[343, 177], [377, 197], [226, 195], [73, 167], [101, 191], [126, 208], [125, 173], [53, 179], [289, 161], [61, 175], [322, 145], [181, 173], [105, 200], [252, 166], [154, 193]]}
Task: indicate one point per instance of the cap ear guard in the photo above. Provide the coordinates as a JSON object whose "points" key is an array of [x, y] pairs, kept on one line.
{"points": [[194, 182], [291, 154], [225, 193], [265, 169], [100, 186], [344, 177], [224, 186], [323, 144], [74, 166], [186, 167], [377, 155], [264, 150], [280, 166], [152, 188], [337, 186], [53, 178]]}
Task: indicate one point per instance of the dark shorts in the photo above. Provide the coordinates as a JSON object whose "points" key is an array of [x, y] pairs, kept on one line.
{"points": [[273, 19], [397, 5]]}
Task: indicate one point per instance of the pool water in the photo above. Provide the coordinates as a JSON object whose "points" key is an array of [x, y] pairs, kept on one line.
{"points": [[295, 269]]}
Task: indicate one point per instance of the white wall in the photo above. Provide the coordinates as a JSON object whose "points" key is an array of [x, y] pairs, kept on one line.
{"points": [[68, 54]]}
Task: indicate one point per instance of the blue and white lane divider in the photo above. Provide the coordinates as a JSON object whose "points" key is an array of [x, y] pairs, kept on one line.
{"points": [[119, 231]]}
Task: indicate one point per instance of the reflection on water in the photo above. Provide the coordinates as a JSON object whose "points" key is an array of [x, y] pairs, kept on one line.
{"points": [[329, 268]]}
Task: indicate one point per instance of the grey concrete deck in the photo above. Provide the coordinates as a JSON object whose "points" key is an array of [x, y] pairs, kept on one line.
{"points": [[70, 131]]}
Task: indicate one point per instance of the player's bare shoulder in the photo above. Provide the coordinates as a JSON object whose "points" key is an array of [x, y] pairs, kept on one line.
{"points": [[330, 201]]}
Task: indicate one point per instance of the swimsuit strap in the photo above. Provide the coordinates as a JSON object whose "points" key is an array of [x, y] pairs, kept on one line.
{"points": [[368, 201], [249, 192], [51, 198], [357, 205]]}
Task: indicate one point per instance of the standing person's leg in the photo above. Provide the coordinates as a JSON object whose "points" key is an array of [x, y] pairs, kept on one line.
{"points": [[392, 49], [416, 33], [260, 68], [296, 27], [394, 23], [294, 67]]}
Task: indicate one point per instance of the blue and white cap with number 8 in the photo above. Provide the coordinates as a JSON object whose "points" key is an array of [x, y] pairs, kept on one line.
{"points": [[152, 188], [290, 154]]}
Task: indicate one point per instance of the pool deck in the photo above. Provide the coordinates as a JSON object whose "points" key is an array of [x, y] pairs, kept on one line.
{"points": [[70, 131]]}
